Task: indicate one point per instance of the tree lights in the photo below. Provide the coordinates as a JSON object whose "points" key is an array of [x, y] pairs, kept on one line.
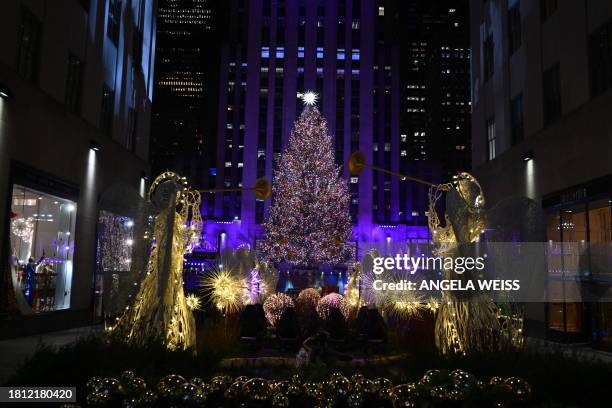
{"points": [[309, 221]]}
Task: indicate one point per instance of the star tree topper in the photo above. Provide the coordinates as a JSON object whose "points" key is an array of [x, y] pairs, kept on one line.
{"points": [[309, 98]]}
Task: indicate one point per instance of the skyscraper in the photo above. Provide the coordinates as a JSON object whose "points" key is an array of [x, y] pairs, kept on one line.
{"points": [[346, 51], [435, 84], [185, 88]]}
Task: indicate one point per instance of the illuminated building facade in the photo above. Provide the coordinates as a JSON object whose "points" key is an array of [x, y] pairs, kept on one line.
{"points": [[76, 85], [346, 51], [541, 102], [185, 107]]}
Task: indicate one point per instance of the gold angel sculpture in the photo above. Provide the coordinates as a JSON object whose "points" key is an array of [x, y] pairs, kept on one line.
{"points": [[160, 309]]}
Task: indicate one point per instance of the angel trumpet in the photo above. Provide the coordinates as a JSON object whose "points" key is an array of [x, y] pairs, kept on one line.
{"points": [[357, 163], [262, 189]]}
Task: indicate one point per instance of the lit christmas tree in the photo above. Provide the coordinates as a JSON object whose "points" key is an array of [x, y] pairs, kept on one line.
{"points": [[309, 221]]}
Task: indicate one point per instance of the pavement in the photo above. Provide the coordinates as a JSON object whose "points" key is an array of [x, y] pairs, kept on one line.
{"points": [[14, 352]]}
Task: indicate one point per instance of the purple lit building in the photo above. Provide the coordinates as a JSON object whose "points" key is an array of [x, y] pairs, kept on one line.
{"points": [[347, 52]]}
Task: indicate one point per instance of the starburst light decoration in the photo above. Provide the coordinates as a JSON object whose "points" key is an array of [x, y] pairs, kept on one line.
{"points": [[193, 302], [224, 288]]}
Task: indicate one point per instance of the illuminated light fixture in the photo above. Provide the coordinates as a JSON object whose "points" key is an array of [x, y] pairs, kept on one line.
{"points": [[93, 145], [310, 98], [5, 92], [70, 207], [528, 155]]}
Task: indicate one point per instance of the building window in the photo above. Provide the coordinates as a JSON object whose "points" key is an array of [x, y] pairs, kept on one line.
{"points": [[42, 248], [114, 20], [491, 139], [516, 119], [381, 11], [552, 94], [600, 59], [29, 42], [106, 113], [514, 27], [73, 84], [547, 8], [489, 47]]}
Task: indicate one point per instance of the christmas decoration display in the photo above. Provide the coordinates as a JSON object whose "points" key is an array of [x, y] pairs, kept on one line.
{"points": [[309, 221], [275, 305], [193, 302], [435, 388], [225, 288], [23, 228], [462, 325], [160, 308], [333, 300], [308, 299]]}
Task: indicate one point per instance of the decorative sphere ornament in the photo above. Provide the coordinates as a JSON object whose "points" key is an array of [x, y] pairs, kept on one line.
{"points": [[433, 377], [94, 383], [188, 392], [135, 386], [520, 387], [167, 386], [355, 400], [234, 390], [281, 387], [148, 399], [256, 389], [406, 395], [130, 402], [364, 386], [496, 380], [127, 376], [219, 383], [455, 395], [439, 392], [242, 378], [462, 380], [336, 375], [382, 383], [296, 379], [197, 381], [97, 399], [313, 390], [112, 387], [280, 401], [339, 387], [357, 377]]}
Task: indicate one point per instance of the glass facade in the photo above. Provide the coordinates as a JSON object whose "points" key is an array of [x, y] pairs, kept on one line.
{"points": [[42, 249], [581, 220]]}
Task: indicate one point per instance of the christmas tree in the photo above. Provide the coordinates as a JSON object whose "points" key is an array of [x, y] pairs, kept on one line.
{"points": [[309, 221]]}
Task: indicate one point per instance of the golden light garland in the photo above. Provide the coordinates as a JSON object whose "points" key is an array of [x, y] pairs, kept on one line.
{"points": [[333, 300], [23, 228], [275, 305]]}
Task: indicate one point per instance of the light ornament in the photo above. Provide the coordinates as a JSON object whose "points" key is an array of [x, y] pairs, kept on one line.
{"points": [[23, 228], [275, 305], [224, 289], [309, 98], [308, 299], [193, 302], [331, 301]]}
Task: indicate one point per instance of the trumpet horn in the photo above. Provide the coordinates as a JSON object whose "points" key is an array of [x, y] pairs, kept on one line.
{"points": [[357, 162]]}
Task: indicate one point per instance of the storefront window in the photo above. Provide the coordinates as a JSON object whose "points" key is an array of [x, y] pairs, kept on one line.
{"points": [[42, 249]]}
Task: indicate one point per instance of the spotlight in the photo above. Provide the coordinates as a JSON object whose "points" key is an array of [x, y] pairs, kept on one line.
{"points": [[93, 145], [528, 155], [5, 92]]}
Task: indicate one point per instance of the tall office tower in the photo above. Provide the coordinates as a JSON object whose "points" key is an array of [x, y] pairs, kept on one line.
{"points": [[345, 51], [435, 81], [542, 97], [184, 108]]}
